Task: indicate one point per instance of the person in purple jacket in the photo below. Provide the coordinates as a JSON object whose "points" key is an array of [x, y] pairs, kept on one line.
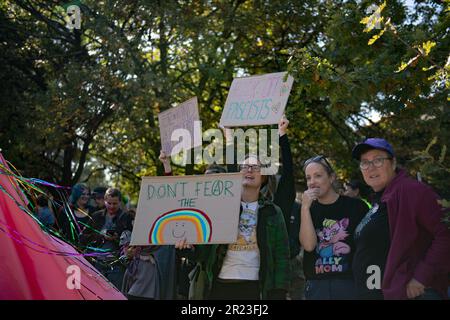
{"points": [[402, 245]]}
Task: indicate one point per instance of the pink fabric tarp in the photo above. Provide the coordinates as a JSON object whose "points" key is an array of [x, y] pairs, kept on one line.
{"points": [[29, 269]]}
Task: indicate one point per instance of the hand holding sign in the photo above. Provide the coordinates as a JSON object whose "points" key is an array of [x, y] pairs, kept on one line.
{"points": [[282, 125], [165, 161], [182, 244], [198, 209]]}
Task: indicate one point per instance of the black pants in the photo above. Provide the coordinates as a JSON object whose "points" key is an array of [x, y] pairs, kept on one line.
{"points": [[239, 290], [331, 289]]}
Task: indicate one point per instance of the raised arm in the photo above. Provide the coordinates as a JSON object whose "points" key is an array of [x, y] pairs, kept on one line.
{"points": [[285, 193], [166, 163]]}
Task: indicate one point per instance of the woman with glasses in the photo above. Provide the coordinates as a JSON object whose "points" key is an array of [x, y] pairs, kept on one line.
{"points": [[280, 190], [328, 221], [402, 246], [257, 265]]}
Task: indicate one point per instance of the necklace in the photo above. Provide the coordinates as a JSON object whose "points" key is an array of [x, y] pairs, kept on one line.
{"points": [[246, 204]]}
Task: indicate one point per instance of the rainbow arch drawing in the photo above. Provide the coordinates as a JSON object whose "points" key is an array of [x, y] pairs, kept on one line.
{"points": [[201, 221]]}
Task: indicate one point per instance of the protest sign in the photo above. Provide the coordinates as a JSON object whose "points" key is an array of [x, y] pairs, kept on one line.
{"points": [[202, 209], [180, 117], [256, 100]]}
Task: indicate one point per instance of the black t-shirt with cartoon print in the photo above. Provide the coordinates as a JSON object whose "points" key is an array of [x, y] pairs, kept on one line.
{"points": [[335, 224]]}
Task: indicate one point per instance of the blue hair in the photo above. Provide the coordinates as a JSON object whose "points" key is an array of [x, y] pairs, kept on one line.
{"points": [[77, 191]]}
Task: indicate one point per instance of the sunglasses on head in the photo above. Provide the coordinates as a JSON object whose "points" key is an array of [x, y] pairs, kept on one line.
{"points": [[318, 159]]}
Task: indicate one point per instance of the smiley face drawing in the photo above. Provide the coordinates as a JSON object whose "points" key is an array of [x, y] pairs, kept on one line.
{"points": [[175, 225], [178, 230]]}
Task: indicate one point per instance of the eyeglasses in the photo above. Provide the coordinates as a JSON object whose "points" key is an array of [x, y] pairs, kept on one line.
{"points": [[377, 163], [86, 195], [318, 159], [254, 167]]}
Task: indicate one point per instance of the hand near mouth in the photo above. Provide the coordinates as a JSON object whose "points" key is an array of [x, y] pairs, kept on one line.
{"points": [[309, 196]]}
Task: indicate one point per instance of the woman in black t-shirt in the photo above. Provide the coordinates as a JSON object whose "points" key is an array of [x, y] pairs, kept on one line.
{"points": [[328, 221]]}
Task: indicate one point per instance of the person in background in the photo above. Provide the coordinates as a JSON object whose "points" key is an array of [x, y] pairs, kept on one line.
{"points": [[132, 212], [107, 227], [43, 212], [402, 236], [354, 189], [98, 196], [328, 221], [75, 217], [126, 203], [338, 186], [151, 273]]}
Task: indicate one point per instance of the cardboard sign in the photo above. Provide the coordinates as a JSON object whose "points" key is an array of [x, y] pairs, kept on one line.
{"points": [[256, 100], [180, 117], [202, 209]]}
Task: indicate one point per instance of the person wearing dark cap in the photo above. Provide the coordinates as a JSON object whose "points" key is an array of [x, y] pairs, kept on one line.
{"points": [[353, 189], [402, 246], [98, 194]]}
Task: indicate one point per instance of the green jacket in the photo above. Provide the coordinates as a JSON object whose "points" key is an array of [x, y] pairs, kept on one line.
{"points": [[273, 244]]}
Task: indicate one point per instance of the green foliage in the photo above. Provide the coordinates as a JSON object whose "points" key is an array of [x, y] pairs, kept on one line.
{"points": [[429, 163], [79, 102]]}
